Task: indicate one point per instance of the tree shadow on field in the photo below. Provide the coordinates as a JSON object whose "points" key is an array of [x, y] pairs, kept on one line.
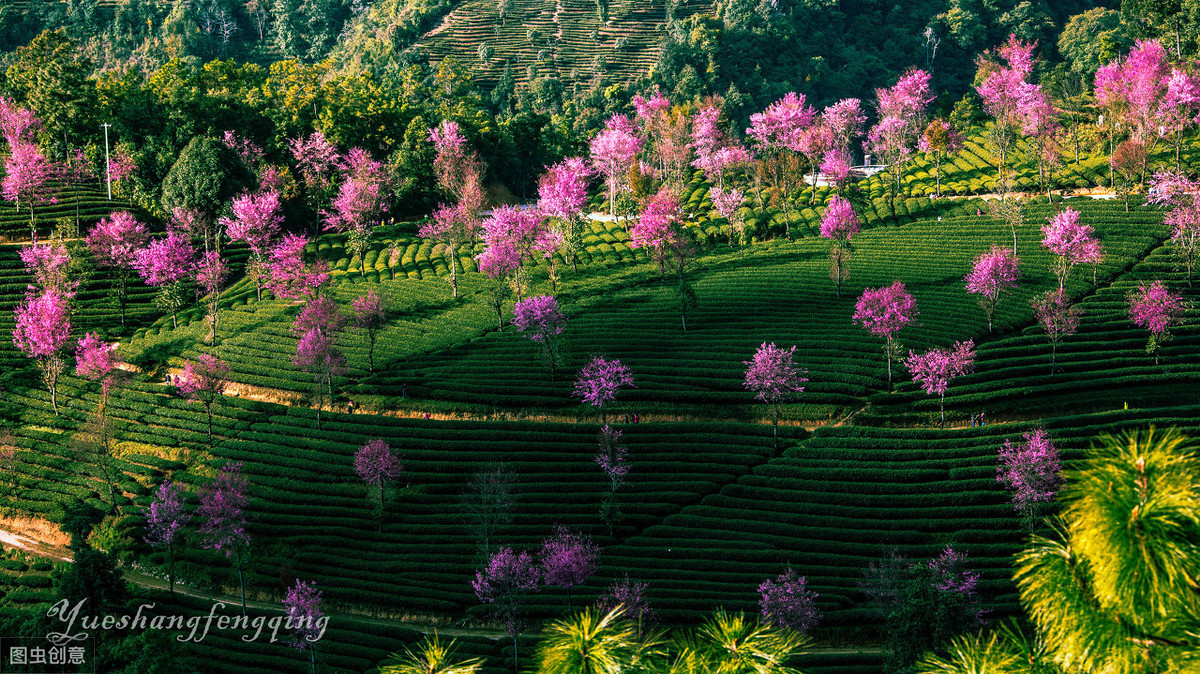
{"points": [[152, 360]]}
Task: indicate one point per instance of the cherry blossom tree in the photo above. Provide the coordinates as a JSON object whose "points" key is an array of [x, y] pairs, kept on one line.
{"points": [[901, 110], [319, 162], [49, 264], [17, 124], [370, 315], [1179, 108], [1070, 240], [1132, 88], [568, 559], [1006, 97], [166, 264], [43, 330], [716, 153], [1058, 318], [302, 606], [787, 603], [613, 459], [290, 276], [256, 221], [1182, 194], [630, 596], [1030, 470], [845, 120], [454, 228], [359, 201], [1156, 309], [376, 465], [613, 152], [166, 517], [500, 261], [562, 194], [939, 140], [935, 368], [506, 583], [777, 132], [993, 273], [222, 512], [542, 322], [728, 204], [839, 224], [114, 243], [773, 377], [659, 229], [884, 312], [1128, 161], [599, 381], [98, 361], [204, 381], [316, 327], [211, 274], [26, 180]]}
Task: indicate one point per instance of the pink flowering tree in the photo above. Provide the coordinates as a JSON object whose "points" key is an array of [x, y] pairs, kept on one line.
{"points": [[256, 220], [377, 465], [505, 583], [454, 228], [50, 265], [551, 244], [517, 230], [500, 261], [1030, 470], [1182, 195], [290, 277], [1057, 317], [835, 168], [359, 202], [630, 597], [1070, 240], [1179, 108], [43, 330], [936, 368], [613, 459], [204, 381], [885, 312], [211, 273], [316, 328], [167, 264], [901, 110], [939, 140], [613, 152], [26, 181], [716, 154], [562, 194], [787, 602], [222, 514], [728, 204], [993, 274], [165, 519], [1007, 97], [1156, 309], [773, 377], [370, 315], [114, 243], [777, 133], [599, 381], [660, 231], [839, 225], [17, 124], [98, 361], [302, 607], [568, 559], [542, 322], [845, 120], [319, 162]]}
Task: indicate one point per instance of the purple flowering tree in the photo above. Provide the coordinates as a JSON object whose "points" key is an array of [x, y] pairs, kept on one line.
{"points": [[222, 512], [993, 273], [568, 559], [1008, 97], [934, 369], [165, 519], [505, 583], [454, 227], [1156, 309], [884, 312], [562, 194], [370, 315], [613, 152], [1058, 318], [376, 465], [43, 330], [166, 264], [631, 597], [901, 110], [302, 606], [660, 230], [1030, 470], [359, 201], [204, 380], [773, 377], [114, 242], [950, 574], [839, 225], [787, 603], [290, 277], [256, 220], [777, 132], [500, 261], [613, 459], [98, 361], [1071, 242], [728, 204], [26, 180], [598, 382], [542, 322], [50, 265], [317, 327], [1184, 221]]}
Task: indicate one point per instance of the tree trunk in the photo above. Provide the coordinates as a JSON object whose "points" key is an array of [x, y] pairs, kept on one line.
{"points": [[241, 577], [453, 272], [171, 567]]}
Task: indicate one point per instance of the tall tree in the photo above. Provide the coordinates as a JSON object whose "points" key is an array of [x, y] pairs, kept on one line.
{"points": [[114, 243], [936, 368], [1153, 307], [204, 380], [377, 465], [167, 264], [488, 503], [599, 381], [165, 519], [542, 322], [884, 312], [993, 273], [43, 330], [773, 377], [302, 606], [568, 559], [505, 584], [1057, 317], [223, 516], [316, 328], [839, 224], [1030, 470], [1071, 241]]}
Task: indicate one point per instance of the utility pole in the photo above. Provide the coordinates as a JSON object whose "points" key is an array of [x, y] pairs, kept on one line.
{"points": [[107, 163]]}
